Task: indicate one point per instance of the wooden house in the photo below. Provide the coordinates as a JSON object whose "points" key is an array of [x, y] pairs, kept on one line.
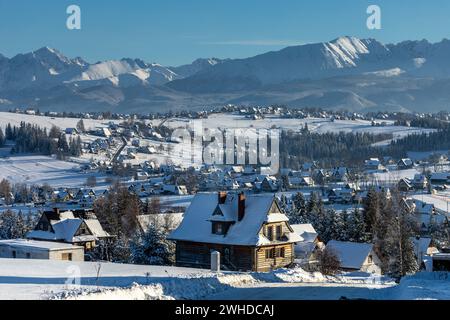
{"points": [[405, 185], [250, 232], [404, 164], [65, 227]]}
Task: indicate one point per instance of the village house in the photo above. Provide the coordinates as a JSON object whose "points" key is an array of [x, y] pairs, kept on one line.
{"points": [[174, 190], [405, 185], [340, 174], [71, 131], [309, 166], [67, 227], [250, 232], [440, 178], [269, 184], [41, 250], [341, 195], [420, 182], [373, 164], [404, 164], [356, 256], [423, 249], [299, 182]]}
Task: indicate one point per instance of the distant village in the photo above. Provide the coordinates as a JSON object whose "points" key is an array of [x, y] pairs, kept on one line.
{"points": [[152, 210]]}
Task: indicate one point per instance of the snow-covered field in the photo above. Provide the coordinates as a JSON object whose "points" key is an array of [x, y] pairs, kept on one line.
{"points": [[48, 122], [42, 279], [35, 169], [392, 177], [318, 125]]}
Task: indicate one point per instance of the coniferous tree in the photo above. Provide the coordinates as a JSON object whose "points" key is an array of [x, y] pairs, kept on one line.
{"points": [[2, 138], [299, 214], [371, 210], [12, 225], [152, 248]]}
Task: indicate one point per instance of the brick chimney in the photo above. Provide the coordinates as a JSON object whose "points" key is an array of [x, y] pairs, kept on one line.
{"points": [[222, 197], [241, 206]]}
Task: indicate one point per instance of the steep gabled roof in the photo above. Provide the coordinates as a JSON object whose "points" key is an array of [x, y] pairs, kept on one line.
{"points": [[196, 225]]}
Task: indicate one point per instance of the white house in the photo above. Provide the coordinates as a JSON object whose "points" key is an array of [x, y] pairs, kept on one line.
{"points": [[373, 164], [356, 256], [423, 249], [42, 250]]}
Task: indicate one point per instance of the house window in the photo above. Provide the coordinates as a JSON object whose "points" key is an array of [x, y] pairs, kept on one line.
{"points": [[279, 252], [270, 253], [28, 255], [370, 259], [66, 257], [279, 232], [14, 254], [275, 253], [270, 233], [218, 228]]}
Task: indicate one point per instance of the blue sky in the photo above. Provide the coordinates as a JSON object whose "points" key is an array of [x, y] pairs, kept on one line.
{"points": [[173, 32]]}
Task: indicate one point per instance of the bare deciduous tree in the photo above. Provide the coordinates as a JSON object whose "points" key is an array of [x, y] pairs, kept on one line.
{"points": [[329, 263]]}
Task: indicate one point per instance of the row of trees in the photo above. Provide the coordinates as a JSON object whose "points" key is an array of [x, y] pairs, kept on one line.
{"points": [[383, 222], [331, 149], [30, 138]]}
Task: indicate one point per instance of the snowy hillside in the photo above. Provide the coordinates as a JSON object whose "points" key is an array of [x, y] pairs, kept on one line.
{"points": [[196, 66]]}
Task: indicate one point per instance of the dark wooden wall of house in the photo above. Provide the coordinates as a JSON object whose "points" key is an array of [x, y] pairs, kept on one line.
{"points": [[239, 258], [198, 255]]}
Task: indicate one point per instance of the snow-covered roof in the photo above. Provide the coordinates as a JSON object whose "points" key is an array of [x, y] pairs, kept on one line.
{"points": [[196, 225], [440, 176], [421, 245], [66, 229], [276, 217], [351, 254], [38, 245], [160, 219], [63, 231], [305, 231], [96, 228]]}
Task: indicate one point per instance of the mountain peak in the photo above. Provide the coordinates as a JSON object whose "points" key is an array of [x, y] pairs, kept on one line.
{"points": [[50, 55], [45, 49]]}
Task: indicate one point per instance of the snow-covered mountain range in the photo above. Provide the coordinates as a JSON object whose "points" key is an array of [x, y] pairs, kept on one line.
{"points": [[346, 73], [48, 67]]}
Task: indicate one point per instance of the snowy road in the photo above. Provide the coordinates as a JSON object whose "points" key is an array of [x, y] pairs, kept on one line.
{"points": [[305, 291]]}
